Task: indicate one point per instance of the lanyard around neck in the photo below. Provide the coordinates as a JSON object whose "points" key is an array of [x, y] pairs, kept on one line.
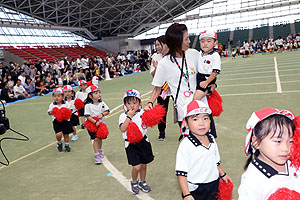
{"points": [[186, 74]]}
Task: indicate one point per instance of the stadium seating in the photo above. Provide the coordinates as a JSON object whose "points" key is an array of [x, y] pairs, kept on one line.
{"points": [[281, 30], [261, 33]]}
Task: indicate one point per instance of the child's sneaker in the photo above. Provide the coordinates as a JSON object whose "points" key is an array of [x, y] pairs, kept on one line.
{"points": [[59, 147], [74, 137], [97, 159], [144, 186], [101, 153], [82, 126], [135, 187], [68, 148], [162, 136]]}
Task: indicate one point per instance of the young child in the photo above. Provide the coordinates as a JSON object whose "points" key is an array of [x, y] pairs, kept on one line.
{"points": [[81, 94], [198, 161], [61, 127], [138, 154], [209, 64], [95, 107], [268, 143], [69, 97]]}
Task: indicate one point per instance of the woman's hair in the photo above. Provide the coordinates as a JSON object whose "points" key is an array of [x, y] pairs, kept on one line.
{"points": [[89, 99], [161, 39], [174, 38], [271, 125]]}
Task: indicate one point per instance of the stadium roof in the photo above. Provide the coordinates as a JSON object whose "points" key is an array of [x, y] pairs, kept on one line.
{"points": [[104, 17]]}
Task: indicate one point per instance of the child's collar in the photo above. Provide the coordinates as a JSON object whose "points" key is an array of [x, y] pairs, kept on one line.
{"points": [[197, 142], [210, 53]]}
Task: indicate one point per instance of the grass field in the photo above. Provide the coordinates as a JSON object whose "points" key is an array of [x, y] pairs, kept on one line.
{"points": [[38, 171]]}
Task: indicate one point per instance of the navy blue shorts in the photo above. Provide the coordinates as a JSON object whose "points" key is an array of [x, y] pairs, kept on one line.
{"points": [[139, 153], [207, 191], [200, 78], [65, 127], [81, 112], [74, 120]]}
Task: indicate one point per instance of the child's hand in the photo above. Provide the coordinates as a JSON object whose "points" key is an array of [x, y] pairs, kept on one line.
{"points": [[130, 113], [203, 84], [226, 178]]}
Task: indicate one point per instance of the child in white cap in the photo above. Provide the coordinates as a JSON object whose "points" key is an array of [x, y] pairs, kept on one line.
{"points": [[81, 94], [269, 141], [198, 161], [209, 64]]}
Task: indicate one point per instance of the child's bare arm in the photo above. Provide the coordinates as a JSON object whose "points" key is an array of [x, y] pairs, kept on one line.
{"points": [[223, 175], [128, 119], [212, 76], [182, 180], [103, 114]]}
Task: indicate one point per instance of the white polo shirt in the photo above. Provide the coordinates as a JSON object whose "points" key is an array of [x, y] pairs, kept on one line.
{"points": [[81, 95], [18, 89], [260, 181], [93, 110], [168, 71], [209, 63], [197, 162], [54, 105]]}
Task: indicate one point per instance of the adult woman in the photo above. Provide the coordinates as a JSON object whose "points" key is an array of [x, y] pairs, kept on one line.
{"points": [[163, 99], [178, 69]]}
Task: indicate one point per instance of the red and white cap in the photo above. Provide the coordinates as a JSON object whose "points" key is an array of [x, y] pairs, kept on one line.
{"points": [[68, 88], [95, 80], [193, 108], [82, 82], [58, 90], [259, 116], [208, 33], [131, 93], [92, 88]]}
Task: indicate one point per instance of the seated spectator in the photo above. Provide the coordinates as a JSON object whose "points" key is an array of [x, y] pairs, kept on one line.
{"points": [[52, 85], [22, 77], [40, 88], [10, 82], [29, 86], [6, 93], [19, 91]]}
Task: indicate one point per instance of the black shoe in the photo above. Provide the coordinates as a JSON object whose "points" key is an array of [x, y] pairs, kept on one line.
{"points": [[82, 126], [162, 136]]}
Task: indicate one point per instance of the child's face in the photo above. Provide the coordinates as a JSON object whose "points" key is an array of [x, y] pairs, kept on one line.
{"points": [[198, 124], [133, 104], [207, 44], [96, 95], [83, 87], [68, 93], [58, 98], [274, 150]]}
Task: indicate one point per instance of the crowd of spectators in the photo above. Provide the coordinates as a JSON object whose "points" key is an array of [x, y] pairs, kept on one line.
{"points": [[266, 45], [39, 78]]}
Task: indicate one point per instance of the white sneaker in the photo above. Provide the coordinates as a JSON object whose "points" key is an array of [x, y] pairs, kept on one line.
{"points": [[74, 137]]}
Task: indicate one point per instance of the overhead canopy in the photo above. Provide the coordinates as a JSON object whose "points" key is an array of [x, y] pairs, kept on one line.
{"points": [[104, 17]]}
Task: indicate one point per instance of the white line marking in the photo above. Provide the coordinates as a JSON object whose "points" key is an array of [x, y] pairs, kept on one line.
{"points": [[122, 179], [257, 77], [254, 93], [278, 85], [253, 84]]}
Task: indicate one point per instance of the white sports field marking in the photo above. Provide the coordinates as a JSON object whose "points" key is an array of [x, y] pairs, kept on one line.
{"points": [[259, 69], [255, 93], [122, 179], [252, 84], [278, 85], [257, 77], [260, 72], [107, 164]]}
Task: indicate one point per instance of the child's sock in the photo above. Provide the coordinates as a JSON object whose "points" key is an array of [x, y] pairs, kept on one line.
{"points": [[59, 142], [67, 143]]}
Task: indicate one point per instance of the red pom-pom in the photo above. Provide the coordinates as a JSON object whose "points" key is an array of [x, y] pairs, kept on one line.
{"points": [[102, 131], [154, 116], [66, 113], [78, 104], [285, 194], [225, 190], [134, 134], [58, 114], [90, 125], [215, 103], [295, 149]]}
